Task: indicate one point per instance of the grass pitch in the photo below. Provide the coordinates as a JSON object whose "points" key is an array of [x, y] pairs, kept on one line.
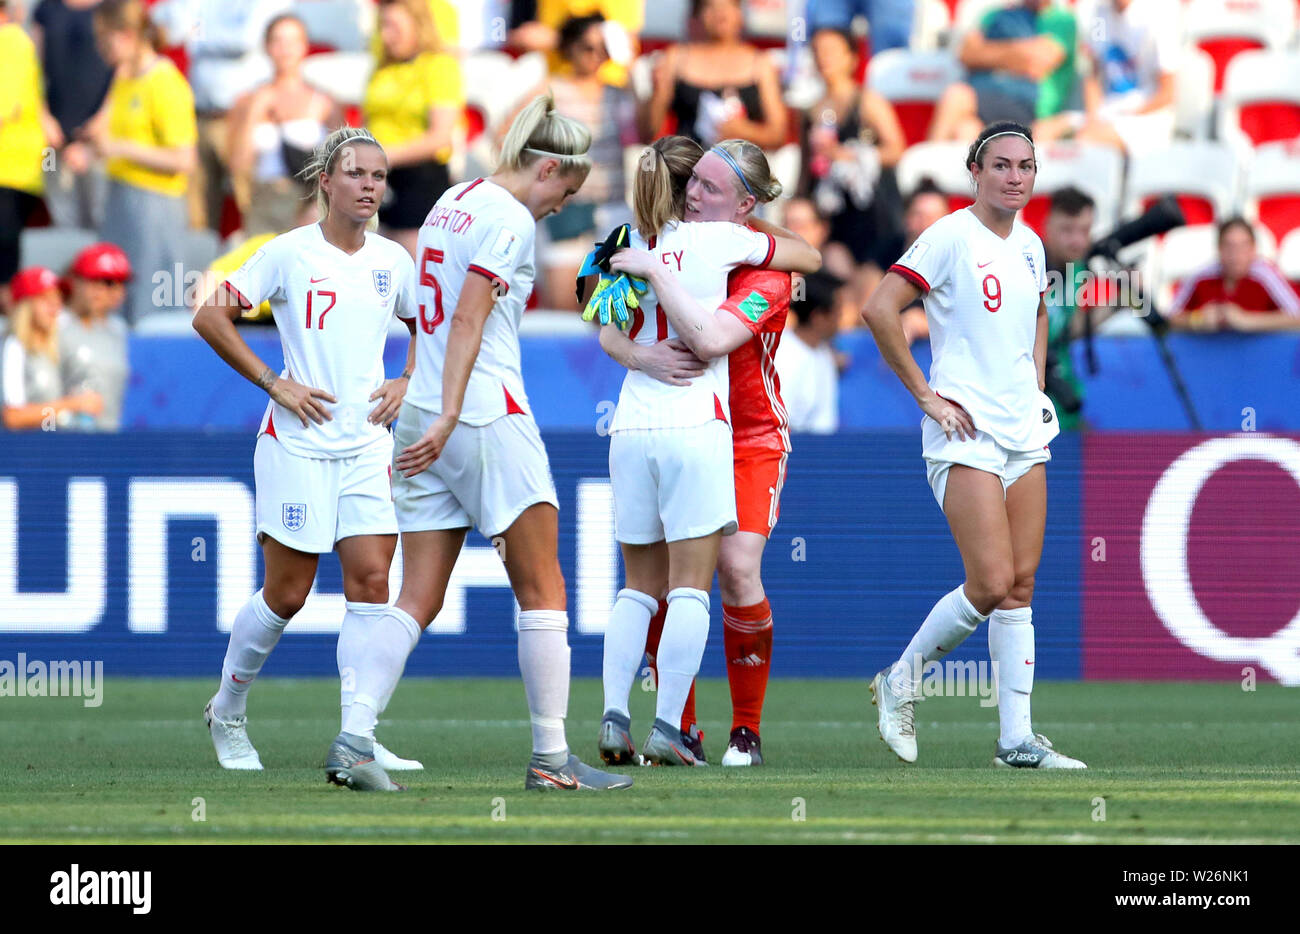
{"points": [[1169, 763]]}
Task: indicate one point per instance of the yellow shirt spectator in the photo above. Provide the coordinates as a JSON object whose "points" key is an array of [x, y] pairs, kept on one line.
{"points": [[22, 140], [224, 265], [446, 19], [400, 96], [156, 109]]}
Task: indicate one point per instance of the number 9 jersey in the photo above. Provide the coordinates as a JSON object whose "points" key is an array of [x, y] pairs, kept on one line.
{"points": [[981, 300], [333, 311], [476, 229]]}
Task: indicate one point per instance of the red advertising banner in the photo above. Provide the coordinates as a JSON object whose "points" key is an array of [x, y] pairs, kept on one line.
{"points": [[1191, 557]]}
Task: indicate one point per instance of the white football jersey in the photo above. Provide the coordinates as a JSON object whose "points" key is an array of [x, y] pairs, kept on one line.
{"points": [[702, 255], [476, 228], [981, 300], [333, 311]]}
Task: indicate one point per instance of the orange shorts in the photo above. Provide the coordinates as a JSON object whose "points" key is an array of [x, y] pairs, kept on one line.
{"points": [[760, 474]]}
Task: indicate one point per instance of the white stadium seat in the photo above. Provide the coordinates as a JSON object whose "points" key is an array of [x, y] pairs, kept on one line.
{"points": [[931, 25], [1203, 175], [1261, 99], [913, 82], [1288, 256], [1226, 28], [942, 163], [341, 75], [1273, 188], [1095, 170], [342, 25], [1194, 95]]}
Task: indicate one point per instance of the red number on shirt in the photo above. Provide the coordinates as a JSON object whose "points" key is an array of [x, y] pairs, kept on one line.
{"points": [[993, 293], [431, 255], [320, 322]]}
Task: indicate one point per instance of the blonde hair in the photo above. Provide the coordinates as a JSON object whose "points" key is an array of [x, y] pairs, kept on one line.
{"points": [[758, 179], [426, 30], [24, 328], [539, 132], [326, 157], [659, 191]]}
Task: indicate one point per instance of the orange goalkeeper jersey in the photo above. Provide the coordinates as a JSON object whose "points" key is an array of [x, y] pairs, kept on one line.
{"points": [[760, 300]]}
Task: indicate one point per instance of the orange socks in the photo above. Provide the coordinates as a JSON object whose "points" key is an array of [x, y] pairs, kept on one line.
{"points": [[747, 638]]}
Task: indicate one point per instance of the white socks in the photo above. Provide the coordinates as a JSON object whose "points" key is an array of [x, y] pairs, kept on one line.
{"points": [[681, 649], [544, 664], [949, 623], [253, 635], [377, 668], [353, 636], [1011, 649], [629, 624]]}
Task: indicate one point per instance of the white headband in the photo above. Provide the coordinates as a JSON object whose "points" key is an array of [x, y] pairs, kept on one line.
{"points": [[995, 136], [554, 155]]}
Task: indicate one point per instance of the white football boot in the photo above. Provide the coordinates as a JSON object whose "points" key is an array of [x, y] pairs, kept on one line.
{"points": [[896, 719], [230, 737], [391, 762]]}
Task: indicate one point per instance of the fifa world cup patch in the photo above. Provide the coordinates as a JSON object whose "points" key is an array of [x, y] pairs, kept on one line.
{"points": [[383, 281], [754, 306], [506, 244], [294, 516]]}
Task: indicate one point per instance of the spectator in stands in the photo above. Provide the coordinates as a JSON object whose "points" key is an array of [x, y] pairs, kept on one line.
{"points": [[720, 87], [146, 133], [1021, 67], [76, 83], [412, 105], [34, 396], [610, 114], [1128, 96], [274, 131], [24, 126], [224, 42], [535, 27], [1240, 292], [851, 142], [805, 359], [92, 339], [802, 217], [890, 20]]}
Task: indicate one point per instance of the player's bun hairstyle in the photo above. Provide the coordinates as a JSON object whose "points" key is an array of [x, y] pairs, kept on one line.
{"points": [[326, 158], [659, 190], [130, 16], [753, 165], [975, 155], [539, 132]]}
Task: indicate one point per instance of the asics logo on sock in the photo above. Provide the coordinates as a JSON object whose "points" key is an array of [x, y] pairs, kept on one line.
{"points": [[751, 660]]}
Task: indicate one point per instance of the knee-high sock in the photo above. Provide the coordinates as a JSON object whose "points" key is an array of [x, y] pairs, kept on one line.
{"points": [[686, 630], [625, 644], [1011, 649], [353, 636], [253, 635], [544, 664], [652, 650], [747, 637], [951, 620], [378, 666]]}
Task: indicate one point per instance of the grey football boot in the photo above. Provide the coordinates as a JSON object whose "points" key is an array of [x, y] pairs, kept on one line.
{"points": [[615, 741], [355, 767], [664, 746], [1034, 753], [574, 775]]}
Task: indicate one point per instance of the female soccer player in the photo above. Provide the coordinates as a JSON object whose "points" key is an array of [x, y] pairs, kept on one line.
{"points": [[323, 451], [671, 448], [470, 453], [984, 436], [747, 330]]}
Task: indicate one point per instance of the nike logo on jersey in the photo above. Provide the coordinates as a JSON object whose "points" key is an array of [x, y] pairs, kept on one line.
{"points": [[982, 265], [321, 279]]}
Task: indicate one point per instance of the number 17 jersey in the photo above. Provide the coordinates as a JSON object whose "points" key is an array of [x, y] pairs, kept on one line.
{"points": [[475, 229]]}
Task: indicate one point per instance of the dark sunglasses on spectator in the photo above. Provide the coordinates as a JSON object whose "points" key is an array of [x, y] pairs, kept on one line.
{"points": [[588, 47]]}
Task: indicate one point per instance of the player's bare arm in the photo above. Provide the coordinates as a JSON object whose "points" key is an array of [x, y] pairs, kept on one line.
{"points": [[882, 315], [1040, 345], [476, 299], [670, 362], [215, 322], [707, 333], [793, 253], [392, 391]]}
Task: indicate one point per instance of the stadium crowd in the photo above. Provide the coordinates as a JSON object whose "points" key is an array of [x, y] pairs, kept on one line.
{"points": [[142, 140]]}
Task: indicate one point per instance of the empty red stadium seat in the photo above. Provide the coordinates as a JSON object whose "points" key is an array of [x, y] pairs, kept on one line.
{"points": [[1280, 214], [1222, 49], [1269, 121]]}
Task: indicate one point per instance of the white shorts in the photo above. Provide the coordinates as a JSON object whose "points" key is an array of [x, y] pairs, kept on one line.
{"points": [[485, 477], [980, 452], [309, 503], [672, 483]]}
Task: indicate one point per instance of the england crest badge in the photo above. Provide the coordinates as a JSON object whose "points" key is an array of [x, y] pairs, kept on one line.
{"points": [[383, 281], [1029, 261], [294, 516]]}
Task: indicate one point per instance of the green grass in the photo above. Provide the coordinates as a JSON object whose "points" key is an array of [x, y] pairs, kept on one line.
{"points": [[1174, 763]]}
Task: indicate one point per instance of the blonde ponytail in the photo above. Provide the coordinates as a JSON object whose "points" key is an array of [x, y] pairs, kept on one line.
{"points": [[539, 132], [326, 157], [659, 191], [755, 174]]}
